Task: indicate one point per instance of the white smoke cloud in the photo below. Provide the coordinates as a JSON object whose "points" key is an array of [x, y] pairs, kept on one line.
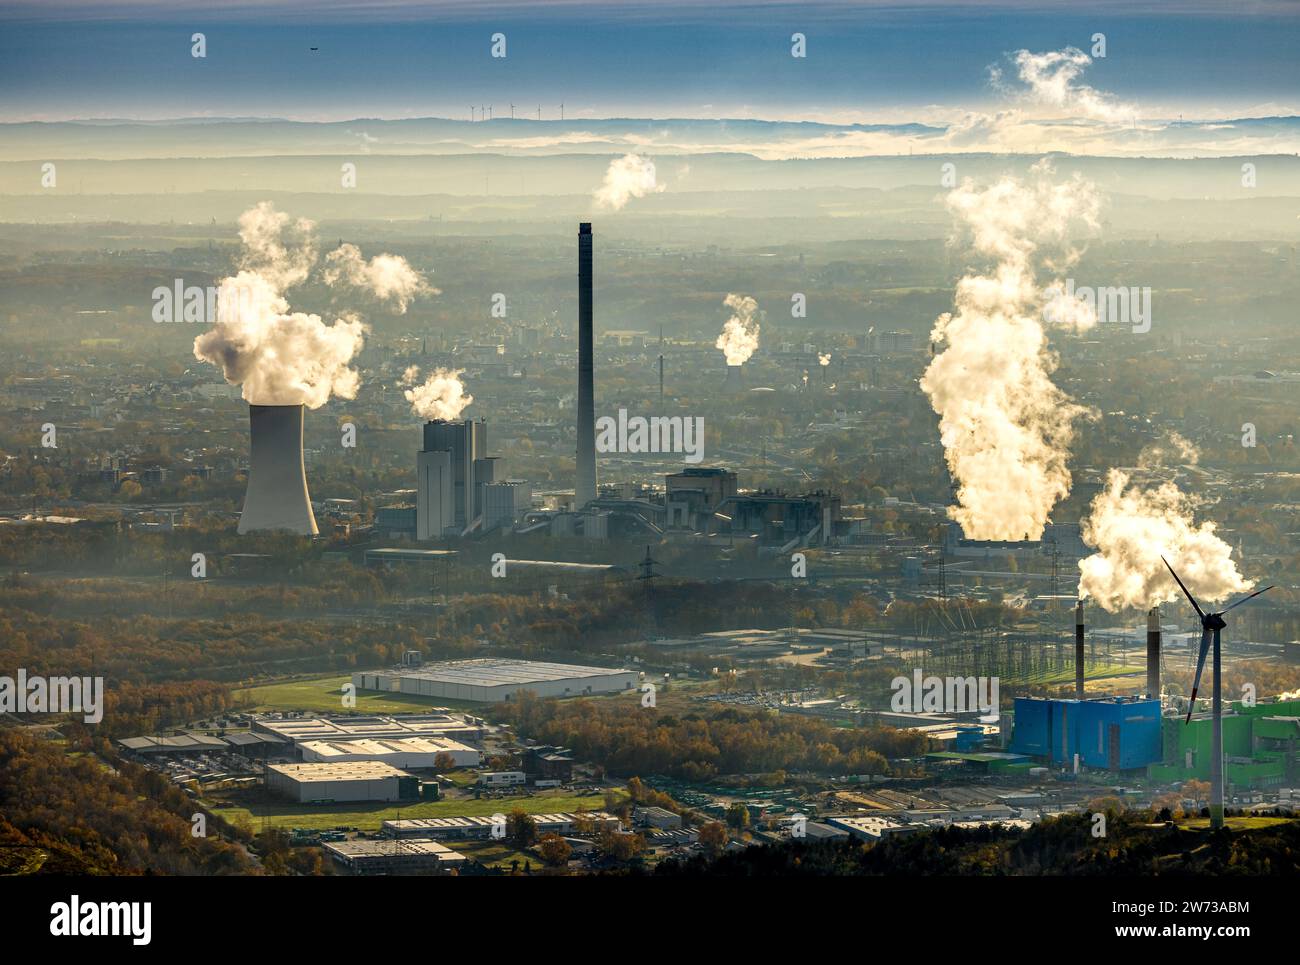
{"points": [[441, 396], [1132, 528], [1005, 427], [630, 176], [739, 338], [389, 278], [275, 246], [823, 358], [1051, 79], [1176, 449], [278, 356]]}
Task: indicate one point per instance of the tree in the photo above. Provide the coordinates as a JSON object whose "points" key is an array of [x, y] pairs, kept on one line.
{"points": [[521, 829], [738, 816], [714, 836], [444, 762], [554, 850]]}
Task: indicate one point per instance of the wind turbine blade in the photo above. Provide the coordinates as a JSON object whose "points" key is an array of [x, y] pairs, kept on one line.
{"points": [[1190, 599], [1245, 598], [1206, 637]]}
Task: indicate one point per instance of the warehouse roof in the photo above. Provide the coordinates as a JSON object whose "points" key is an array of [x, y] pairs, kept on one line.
{"points": [[379, 747], [338, 771], [489, 672]]}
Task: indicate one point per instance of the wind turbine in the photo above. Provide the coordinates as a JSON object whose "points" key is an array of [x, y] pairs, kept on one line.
{"points": [[1212, 625]]}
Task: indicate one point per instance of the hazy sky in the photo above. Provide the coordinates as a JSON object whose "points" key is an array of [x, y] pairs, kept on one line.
{"points": [[867, 61]]}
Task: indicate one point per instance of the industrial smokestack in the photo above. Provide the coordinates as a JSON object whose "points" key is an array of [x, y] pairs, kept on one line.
{"points": [[585, 487], [277, 480], [1153, 652], [735, 377], [1078, 650]]}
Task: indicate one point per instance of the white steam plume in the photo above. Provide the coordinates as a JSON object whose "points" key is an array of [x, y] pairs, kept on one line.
{"points": [[1005, 427], [1051, 79], [630, 176], [441, 396], [279, 357], [389, 278], [739, 338], [1132, 528], [824, 358], [1175, 450]]}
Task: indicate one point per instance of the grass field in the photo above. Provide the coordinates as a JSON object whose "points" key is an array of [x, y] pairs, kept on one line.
{"points": [[1235, 823], [325, 695], [370, 816]]}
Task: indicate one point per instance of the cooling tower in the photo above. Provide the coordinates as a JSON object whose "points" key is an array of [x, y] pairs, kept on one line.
{"points": [[735, 379], [277, 481], [585, 485]]}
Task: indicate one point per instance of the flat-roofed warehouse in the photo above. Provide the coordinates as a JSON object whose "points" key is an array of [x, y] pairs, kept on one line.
{"points": [[491, 680], [351, 781], [300, 729], [361, 856], [480, 826], [416, 752]]}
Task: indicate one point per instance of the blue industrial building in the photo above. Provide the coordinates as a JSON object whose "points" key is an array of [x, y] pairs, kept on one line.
{"points": [[1113, 733]]}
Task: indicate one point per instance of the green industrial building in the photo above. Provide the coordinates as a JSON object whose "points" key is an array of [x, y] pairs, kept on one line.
{"points": [[1261, 747]]}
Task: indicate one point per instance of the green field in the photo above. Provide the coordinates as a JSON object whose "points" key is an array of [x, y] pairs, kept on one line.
{"points": [[1235, 823], [325, 695], [370, 816]]}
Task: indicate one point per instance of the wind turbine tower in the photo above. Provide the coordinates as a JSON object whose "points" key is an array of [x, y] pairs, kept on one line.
{"points": [[1212, 625]]}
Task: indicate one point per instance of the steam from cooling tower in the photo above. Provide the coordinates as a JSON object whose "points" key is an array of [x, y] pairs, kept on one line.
{"points": [[282, 357], [1175, 449], [388, 278], [739, 338], [442, 395], [630, 176], [1131, 528], [1006, 428]]}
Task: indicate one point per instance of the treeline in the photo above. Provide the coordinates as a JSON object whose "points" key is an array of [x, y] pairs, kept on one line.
{"points": [[630, 739], [1133, 846], [61, 813], [144, 649]]}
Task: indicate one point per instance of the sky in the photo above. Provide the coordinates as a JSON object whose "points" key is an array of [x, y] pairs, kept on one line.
{"points": [[866, 61]]}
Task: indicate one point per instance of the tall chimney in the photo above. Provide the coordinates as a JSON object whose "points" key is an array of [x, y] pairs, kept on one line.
{"points": [[1153, 652], [277, 480], [585, 486], [1078, 650]]}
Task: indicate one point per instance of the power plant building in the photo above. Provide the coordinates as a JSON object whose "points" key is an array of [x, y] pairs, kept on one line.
{"points": [[1113, 734], [1261, 746], [490, 680], [446, 485]]}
